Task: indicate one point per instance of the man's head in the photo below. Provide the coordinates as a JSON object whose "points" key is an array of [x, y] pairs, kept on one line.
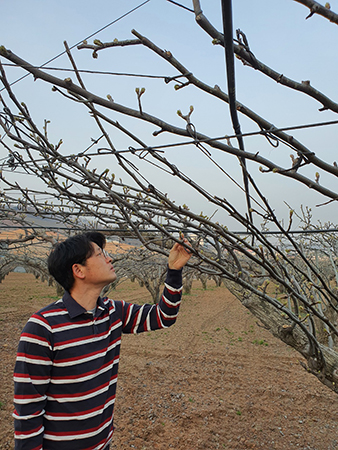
{"points": [[73, 251]]}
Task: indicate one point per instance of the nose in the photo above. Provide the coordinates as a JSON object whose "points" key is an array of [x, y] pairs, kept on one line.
{"points": [[107, 256]]}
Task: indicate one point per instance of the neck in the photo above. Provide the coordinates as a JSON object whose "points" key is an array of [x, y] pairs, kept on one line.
{"points": [[85, 296]]}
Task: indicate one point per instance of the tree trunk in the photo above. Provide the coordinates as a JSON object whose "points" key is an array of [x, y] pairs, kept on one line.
{"points": [[324, 368]]}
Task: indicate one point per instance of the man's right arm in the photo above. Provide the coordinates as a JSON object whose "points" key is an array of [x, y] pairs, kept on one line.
{"points": [[31, 381]]}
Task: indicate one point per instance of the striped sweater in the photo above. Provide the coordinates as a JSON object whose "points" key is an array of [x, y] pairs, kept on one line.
{"points": [[66, 368]]}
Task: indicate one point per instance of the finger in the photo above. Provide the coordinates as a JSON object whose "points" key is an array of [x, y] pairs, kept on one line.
{"points": [[176, 246]]}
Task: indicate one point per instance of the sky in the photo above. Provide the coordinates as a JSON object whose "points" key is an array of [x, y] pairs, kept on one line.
{"points": [[278, 35]]}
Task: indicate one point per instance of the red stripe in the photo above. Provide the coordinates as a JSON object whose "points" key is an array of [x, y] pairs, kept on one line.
{"points": [[86, 338], [86, 355], [145, 322], [23, 376], [41, 318], [167, 304], [88, 430], [135, 320], [56, 310], [173, 292], [104, 441], [166, 318], [28, 355], [28, 397], [80, 413], [35, 336], [127, 314], [36, 413], [84, 374], [81, 394], [28, 432], [65, 324], [158, 316]]}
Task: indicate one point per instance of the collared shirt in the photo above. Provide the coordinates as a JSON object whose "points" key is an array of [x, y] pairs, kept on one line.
{"points": [[67, 364]]}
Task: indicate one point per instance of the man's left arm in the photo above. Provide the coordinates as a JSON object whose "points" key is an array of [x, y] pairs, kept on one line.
{"points": [[162, 315], [137, 318]]}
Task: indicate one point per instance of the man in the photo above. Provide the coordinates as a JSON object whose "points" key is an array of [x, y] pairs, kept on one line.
{"points": [[67, 362]]}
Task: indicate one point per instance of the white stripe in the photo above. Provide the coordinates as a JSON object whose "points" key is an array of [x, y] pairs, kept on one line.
{"points": [[168, 316], [139, 316], [25, 401], [77, 436], [28, 436], [81, 397], [75, 362], [172, 288], [35, 341], [88, 341], [76, 325], [110, 303], [40, 362], [29, 380], [129, 315], [107, 444], [84, 378], [171, 303], [148, 317], [72, 326], [82, 416], [40, 322], [162, 324], [104, 319], [29, 416], [55, 313]]}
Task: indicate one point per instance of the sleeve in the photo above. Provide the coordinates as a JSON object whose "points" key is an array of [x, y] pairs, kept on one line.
{"points": [[31, 381], [136, 318]]}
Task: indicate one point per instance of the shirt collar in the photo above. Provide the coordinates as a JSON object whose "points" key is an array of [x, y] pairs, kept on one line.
{"points": [[75, 309]]}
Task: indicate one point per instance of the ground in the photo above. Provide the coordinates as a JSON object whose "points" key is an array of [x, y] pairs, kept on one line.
{"points": [[215, 380]]}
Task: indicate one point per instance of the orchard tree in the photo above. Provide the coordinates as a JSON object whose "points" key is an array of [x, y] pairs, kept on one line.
{"points": [[24, 243], [275, 278]]}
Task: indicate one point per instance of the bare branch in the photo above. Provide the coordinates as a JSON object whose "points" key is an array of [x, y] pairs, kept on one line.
{"points": [[317, 8]]}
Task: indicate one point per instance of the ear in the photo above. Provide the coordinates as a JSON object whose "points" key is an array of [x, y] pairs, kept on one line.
{"points": [[78, 271]]}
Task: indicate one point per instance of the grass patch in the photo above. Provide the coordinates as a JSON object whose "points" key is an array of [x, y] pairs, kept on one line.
{"points": [[260, 342]]}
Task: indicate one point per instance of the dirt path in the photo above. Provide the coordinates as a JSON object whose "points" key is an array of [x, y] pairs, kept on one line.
{"points": [[215, 380]]}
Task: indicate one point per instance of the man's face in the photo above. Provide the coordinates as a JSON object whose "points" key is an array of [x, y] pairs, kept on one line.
{"points": [[98, 268]]}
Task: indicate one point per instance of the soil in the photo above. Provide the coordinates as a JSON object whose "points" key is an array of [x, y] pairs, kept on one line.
{"points": [[215, 380]]}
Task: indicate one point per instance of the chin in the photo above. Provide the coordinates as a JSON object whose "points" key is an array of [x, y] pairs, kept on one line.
{"points": [[113, 278]]}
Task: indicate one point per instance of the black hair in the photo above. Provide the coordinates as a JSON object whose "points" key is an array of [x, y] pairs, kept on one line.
{"points": [[74, 250]]}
